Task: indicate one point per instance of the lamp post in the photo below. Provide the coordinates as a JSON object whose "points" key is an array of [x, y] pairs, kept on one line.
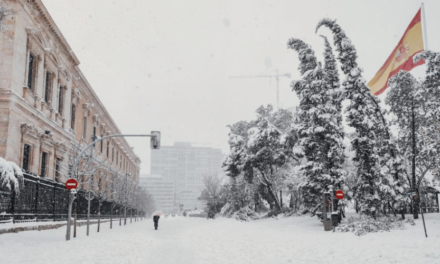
{"points": [[154, 144]]}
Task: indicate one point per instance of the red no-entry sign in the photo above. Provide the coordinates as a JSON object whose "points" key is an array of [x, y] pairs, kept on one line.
{"points": [[71, 184], [339, 194]]}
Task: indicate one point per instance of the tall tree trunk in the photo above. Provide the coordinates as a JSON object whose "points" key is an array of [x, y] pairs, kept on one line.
{"points": [[99, 215], [392, 209], [281, 198], [125, 215], [256, 200], [111, 215], [416, 200], [274, 197]]}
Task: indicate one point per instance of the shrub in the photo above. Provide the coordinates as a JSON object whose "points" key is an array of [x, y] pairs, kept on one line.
{"points": [[361, 227]]}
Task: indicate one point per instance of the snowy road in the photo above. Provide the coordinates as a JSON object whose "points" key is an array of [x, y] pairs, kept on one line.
{"points": [[194, 240]]}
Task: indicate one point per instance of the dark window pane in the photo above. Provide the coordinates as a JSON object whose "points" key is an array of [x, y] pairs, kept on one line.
{"points": [[57, 170], [60, 100], [73, 116], [43, 164], [30, 71], [26, 157], [47, 88]]}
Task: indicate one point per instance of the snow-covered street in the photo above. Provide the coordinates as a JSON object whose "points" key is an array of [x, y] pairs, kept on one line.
{"points": [[197, 240]]}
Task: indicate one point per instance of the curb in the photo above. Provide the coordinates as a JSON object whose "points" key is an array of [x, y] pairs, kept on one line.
{"points": [[44, 227]]}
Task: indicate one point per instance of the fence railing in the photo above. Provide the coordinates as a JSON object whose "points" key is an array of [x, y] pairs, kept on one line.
{"points": [[42, 199]]}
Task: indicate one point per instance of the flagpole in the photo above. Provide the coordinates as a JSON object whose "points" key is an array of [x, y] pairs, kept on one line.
{"points": [[425, 36]]}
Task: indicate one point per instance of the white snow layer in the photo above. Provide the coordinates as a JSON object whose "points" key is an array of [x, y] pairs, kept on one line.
{"points": [[181, 240], [7, 177]]}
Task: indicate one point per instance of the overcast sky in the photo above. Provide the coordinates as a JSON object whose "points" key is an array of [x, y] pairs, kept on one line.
{"points": [[165, 65]]}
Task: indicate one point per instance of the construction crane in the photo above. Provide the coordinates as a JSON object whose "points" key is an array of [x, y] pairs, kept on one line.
{"points": [[276, 76]]}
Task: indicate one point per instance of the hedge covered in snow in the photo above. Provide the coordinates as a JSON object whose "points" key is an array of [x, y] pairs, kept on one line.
{"points": [[11, 176], [366, 225]]}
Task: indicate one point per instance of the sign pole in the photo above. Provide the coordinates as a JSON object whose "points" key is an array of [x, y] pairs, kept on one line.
{"points": [[71, 185], [69, 213]]}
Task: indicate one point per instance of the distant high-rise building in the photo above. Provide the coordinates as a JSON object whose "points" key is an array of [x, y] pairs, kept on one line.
{"points": [[185, 166], [161, 190]]}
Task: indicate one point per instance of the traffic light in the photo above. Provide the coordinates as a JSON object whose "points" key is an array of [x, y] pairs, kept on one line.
{"points": [[155, 140]]}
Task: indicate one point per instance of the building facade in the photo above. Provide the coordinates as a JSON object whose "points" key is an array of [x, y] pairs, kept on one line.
{"points": [[161, 190], [185, 166], [46, 104]]}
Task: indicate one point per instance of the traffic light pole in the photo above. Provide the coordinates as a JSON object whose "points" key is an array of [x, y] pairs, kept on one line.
{"points": [[155, 142], [78, 159]]}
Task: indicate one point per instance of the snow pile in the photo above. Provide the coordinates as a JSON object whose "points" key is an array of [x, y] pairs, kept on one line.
{"points": [[245, 214], [361, 226]]}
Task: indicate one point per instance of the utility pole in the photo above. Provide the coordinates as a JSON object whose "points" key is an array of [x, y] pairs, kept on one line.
{"points": [[277, 78]]}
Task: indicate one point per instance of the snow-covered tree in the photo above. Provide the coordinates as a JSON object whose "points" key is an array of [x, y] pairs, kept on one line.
{"points": [[319, 129], [378, 164], [416, 108], [213, 193], [331, 76], [258, 149]]}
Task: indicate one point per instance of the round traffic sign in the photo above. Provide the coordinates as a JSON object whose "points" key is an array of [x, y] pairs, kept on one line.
{"points": [[339, 194], [71, 184], [90, 195]]}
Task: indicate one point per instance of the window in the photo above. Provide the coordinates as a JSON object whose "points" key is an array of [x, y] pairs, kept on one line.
{"points": [[26, 157], [60, 100], [43, 164], [113, 153], [57, 169], [47, 87], [117, 157], [107, 147], [73, 116], [31, 66], [101, 142], [85, 127], [94, 134]]}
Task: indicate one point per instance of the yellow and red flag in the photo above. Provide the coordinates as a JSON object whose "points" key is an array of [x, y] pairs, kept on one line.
{"points": [[402, 56]]}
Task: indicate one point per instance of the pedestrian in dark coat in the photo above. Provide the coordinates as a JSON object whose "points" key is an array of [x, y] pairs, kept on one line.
{"points": [[156, 221]]}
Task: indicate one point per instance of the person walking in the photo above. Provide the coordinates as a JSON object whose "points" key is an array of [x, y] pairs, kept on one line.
{"points": [[156, 221]]}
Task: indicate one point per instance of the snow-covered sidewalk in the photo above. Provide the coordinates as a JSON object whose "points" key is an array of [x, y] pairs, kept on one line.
{"points": [[197, 240], [27, 224]]}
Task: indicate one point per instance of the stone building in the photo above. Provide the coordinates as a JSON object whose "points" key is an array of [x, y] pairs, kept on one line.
{"points": [[46, 104]]}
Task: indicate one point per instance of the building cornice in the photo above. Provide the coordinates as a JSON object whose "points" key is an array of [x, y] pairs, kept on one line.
{"points": [[51, 23]]}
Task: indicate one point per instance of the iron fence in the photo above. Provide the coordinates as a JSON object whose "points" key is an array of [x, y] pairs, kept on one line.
{"points": [[43, 199]]}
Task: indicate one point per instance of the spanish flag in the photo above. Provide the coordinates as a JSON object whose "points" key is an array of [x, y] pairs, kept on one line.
{"points": [[402, 56]]}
